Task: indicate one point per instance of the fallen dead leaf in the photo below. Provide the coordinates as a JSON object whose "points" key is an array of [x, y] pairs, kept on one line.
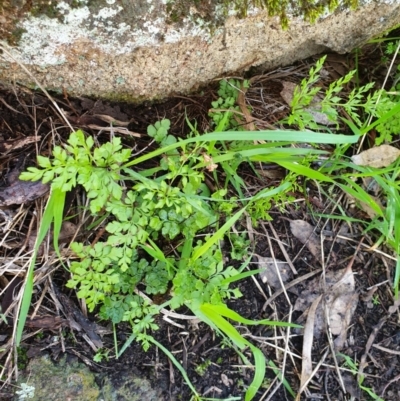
{"points": [[305, 233], [339, 291], [336, 302], [227, 382], [379, 156], [274, 271], [272, 174], [21, 192], [308, 337], [288, 91]]}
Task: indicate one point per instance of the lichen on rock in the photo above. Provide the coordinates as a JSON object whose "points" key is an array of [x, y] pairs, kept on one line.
{"points": [[131, 50]]}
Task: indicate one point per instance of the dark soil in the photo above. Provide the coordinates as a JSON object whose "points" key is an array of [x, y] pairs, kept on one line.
{"points": [[214, 368]]}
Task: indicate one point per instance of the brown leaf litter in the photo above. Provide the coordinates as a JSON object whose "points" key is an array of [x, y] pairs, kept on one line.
{"points": [[329, 304], [274, 272], [305, 233], [379, 156]]}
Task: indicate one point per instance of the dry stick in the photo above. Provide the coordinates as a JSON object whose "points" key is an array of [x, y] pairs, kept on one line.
{"points": [[371, 339], [369, 249], [290, 313], [277, 270], [61, 115], [272, 392], [308, 336], [286, 352], [348, 269], [263, 341], [329, 332], [250, 230], [389, 351], [259, 286], [39, 303], [285, 254], [241, 101], [389, 383]]}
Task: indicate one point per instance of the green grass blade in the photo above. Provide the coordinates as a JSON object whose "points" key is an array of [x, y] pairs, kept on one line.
{"points": [[127, 343], [267, 192], [232, 177], [186, 252], [359, 193], [254, 154], [397, 278], [222, 324], [209, 311], [156, 253], [58, 212], [240, 276], [217, 236], [223, 310], [176, 363], [278, 135], [259, 373], [44, 228], [371, 393], [305, 171], [278, 373]]}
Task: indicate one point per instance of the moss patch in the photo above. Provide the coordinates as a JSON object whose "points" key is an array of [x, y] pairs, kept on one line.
{"points": [[215, 11], [62, 381]]}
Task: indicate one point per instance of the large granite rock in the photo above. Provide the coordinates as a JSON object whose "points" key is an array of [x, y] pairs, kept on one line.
{"points": [[149, 49]]}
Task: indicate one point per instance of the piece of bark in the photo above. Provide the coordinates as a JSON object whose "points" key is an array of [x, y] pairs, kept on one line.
{"points": [[15, 144], [21, 192]]}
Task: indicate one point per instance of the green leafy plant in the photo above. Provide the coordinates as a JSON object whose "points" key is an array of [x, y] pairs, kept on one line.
{"points": [[101, 354], [307, 100], [144, 216], [202, 367], [362, 102], [225, 106]]}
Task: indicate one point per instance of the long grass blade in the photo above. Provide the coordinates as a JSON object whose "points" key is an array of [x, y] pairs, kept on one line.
{"points": [[305, 171], [217, 236], [176, 363], [278, 135], [259, 373], [45, 224], [222, 324], [223, 310]]}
